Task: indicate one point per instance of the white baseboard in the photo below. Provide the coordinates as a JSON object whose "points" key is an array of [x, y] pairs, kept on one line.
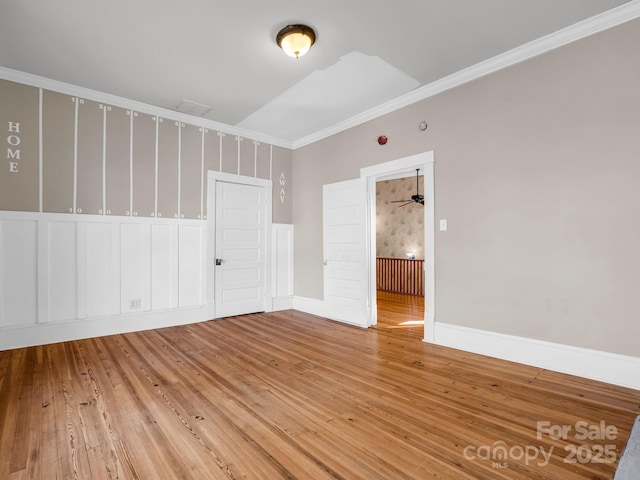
{"points": [[606, 367], [593, 364], [310, 305], [54, 332], [282, 303]]}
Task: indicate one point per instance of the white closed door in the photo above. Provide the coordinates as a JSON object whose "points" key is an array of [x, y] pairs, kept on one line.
{"points": [[240, 249], [344, 239]]}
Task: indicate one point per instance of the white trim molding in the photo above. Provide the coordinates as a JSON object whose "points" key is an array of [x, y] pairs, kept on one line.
{"points": [[609, 19], [605, 367], [281, 303], [310, 305], [116, 101], [384, 171], [593, 364], [282, 262], [598, 23], [55, 332]]}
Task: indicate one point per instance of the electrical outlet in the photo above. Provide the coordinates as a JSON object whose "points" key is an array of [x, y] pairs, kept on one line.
{"points": [[135, 303]]}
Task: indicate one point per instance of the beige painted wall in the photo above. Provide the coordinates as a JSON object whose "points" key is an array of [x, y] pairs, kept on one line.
{"points": [[399, 227], [537, 172]]}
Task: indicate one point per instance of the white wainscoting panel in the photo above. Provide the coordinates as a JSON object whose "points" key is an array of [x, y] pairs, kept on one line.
{"points": [[282, 266], [18, 273], [190, 261], [135, 286], [62, 270], [98, 269], [164, 259], [64, 277]]}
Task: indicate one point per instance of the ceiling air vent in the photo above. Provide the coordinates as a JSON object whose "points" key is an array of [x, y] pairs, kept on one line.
{"points": [[193, 108]]}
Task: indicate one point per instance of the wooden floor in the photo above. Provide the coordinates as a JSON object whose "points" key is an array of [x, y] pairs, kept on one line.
{"points": [[290, 395], [401, 313]]}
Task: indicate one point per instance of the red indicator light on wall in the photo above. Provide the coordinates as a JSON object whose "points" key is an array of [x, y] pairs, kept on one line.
{"points": [[382, 140]]}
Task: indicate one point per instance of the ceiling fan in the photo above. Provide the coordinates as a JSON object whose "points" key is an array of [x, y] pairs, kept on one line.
{"points": [[417, 198]]}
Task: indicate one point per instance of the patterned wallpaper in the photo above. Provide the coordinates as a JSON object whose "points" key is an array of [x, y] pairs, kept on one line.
{"points": [[399, 230]]}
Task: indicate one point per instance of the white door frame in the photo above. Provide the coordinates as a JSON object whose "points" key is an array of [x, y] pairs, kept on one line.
{"points": [[212, 178], [396, 169]]}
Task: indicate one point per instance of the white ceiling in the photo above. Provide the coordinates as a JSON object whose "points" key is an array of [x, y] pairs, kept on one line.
{"points": [[222, 53]]}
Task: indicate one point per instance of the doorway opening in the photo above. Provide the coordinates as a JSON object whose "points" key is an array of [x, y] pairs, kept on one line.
{"points": [[400, 254], [396, 169]]}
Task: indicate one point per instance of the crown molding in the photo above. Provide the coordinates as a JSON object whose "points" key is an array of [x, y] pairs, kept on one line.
{"points": [[598, 23], [116, 101]]}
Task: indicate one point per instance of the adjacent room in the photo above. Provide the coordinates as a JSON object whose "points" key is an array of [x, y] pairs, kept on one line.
{"points": [[320, 240], [400, 217]]}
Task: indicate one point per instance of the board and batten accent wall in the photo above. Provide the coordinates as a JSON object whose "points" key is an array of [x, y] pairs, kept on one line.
{"points": [[68, 154], [103, 220]]}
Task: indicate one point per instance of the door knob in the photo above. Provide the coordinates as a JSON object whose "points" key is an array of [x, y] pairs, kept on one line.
{"points": [[218, 261]]}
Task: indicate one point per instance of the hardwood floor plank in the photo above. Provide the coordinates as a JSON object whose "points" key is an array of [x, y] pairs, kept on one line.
{"points": [[291, 395], [8, 406], [260, 426], [401, 313], [19, 451]]}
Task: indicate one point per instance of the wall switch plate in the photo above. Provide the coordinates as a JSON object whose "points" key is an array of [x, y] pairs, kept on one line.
{"points": [[443, 224]]}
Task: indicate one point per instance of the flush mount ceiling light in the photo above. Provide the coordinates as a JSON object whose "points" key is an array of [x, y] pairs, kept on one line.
{"points": [[296, 40]]}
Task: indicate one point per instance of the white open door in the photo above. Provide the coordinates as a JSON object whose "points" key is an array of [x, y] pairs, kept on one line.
{"points": [[240, 252], [345, 268]]}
